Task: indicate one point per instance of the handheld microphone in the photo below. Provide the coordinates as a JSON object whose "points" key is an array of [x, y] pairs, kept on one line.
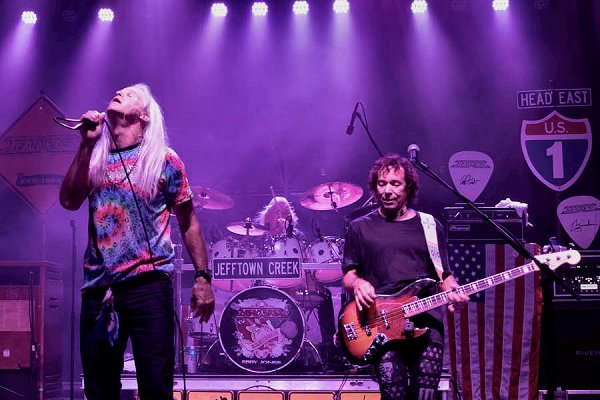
{"points": [[80, 123], [413, 152], [350, 127]]}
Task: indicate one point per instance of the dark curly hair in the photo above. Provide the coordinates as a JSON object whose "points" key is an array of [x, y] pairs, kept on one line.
{"points": [[394, 162]]}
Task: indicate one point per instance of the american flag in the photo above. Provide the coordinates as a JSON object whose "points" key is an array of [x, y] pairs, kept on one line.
{"points": [[493, 342]]}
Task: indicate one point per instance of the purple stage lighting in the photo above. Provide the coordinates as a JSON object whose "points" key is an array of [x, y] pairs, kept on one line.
{"points": [[218, 9], [260, 9], [300, 7], [29, 17], [418, 6], [106, 15], [341, 6], [500, 5]]}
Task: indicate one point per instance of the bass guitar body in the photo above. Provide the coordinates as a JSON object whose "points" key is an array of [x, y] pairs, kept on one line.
{"points": [[364, 333]]}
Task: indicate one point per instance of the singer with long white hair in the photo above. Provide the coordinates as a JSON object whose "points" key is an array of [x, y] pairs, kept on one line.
{"points": [[132, 181]]}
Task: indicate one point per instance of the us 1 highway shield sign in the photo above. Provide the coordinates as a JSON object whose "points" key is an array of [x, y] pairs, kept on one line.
{"points": [[556, 148]]}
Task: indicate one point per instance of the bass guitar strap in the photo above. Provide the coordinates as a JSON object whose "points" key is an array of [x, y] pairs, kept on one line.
{"points": [[429, 226]]}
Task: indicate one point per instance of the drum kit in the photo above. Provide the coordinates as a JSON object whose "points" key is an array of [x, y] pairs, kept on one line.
{"points": [[262, 325]]}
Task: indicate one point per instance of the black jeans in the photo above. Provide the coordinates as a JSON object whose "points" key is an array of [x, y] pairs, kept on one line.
{"points": [[144, 305], [419, 360]]}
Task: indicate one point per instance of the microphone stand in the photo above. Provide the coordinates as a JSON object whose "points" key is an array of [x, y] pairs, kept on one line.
{"points": [[548, 275], [366, 126], [72, 347]]}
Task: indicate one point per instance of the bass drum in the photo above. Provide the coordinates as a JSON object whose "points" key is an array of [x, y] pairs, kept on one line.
{"points": [[232, 248], [261, 329]]}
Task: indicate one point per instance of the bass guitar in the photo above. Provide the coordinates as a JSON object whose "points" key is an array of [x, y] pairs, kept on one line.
{"points": [[364, 333]]}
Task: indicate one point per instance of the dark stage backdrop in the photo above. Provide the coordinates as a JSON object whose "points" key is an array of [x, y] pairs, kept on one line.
{"points": [[252, 103]]}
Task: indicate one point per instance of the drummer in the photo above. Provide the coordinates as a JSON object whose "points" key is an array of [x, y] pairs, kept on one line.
{"points": [[279, 218]]}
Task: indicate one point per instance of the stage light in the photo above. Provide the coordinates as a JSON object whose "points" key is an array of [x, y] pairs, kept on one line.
{"points": [[260, 8], [341, 6], [418, 6], [106, 15], [300, 7], [218, 9], [29, 17], [500, 5]]}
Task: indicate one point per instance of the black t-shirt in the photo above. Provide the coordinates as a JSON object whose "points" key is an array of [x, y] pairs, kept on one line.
{"points": [[392, 254]]}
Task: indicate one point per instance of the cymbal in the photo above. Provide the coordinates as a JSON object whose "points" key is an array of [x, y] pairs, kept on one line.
{"points": [[210, 199], [331, 196], [247, 228]]}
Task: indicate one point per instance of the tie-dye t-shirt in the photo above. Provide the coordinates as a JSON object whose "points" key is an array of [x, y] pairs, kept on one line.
{"points": [[117, 249]]}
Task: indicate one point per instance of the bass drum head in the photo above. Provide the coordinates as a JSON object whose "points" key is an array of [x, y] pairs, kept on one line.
{"points": [[261, 329]]}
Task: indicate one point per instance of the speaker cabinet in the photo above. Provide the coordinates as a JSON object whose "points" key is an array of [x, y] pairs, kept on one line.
{"points": [[31, 309], [576, 329]]}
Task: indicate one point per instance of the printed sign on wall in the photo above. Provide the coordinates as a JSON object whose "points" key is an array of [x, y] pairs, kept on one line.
{"points": [[470, 172], [556, 148], [580, 216], [35, 153]]}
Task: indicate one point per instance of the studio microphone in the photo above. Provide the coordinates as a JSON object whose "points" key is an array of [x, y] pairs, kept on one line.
{"points": [[413, 152], [76, 123], [350, 127]]}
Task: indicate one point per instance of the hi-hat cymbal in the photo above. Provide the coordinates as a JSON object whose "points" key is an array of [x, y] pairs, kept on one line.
{"points": [[331, 196], [210, 199], [247, 228]]}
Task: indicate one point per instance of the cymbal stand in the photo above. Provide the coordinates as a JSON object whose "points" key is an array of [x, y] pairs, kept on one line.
{"points": [[308, 310]]}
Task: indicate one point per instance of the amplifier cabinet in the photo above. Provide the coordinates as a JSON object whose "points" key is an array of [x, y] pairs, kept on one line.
{"points": [[31, 295], [583, 278], [464, 225], [576, 330]]}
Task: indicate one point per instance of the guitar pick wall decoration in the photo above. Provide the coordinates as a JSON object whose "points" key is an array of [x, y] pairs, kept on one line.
{"points": [[579, 217], [470, 172]]}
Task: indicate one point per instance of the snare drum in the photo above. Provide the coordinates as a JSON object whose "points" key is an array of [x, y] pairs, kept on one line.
{"points": [[328, 250], [261, 329], [233, 248], [283, 246]]}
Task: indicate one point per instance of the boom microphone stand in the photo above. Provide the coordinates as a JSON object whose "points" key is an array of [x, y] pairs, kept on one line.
{"points": [[548, 275]]}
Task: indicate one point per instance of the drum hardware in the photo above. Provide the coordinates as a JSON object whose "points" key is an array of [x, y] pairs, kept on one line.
{"points": [[331, 196], [366, 208], [247, 228], [210, 199]]}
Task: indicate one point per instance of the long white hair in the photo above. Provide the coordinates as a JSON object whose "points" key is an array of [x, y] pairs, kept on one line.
{"points": [[279, 208], [152, 148]]}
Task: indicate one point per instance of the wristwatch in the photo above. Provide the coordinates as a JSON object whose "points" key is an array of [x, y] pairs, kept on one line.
{"points": [[205, 273]]}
